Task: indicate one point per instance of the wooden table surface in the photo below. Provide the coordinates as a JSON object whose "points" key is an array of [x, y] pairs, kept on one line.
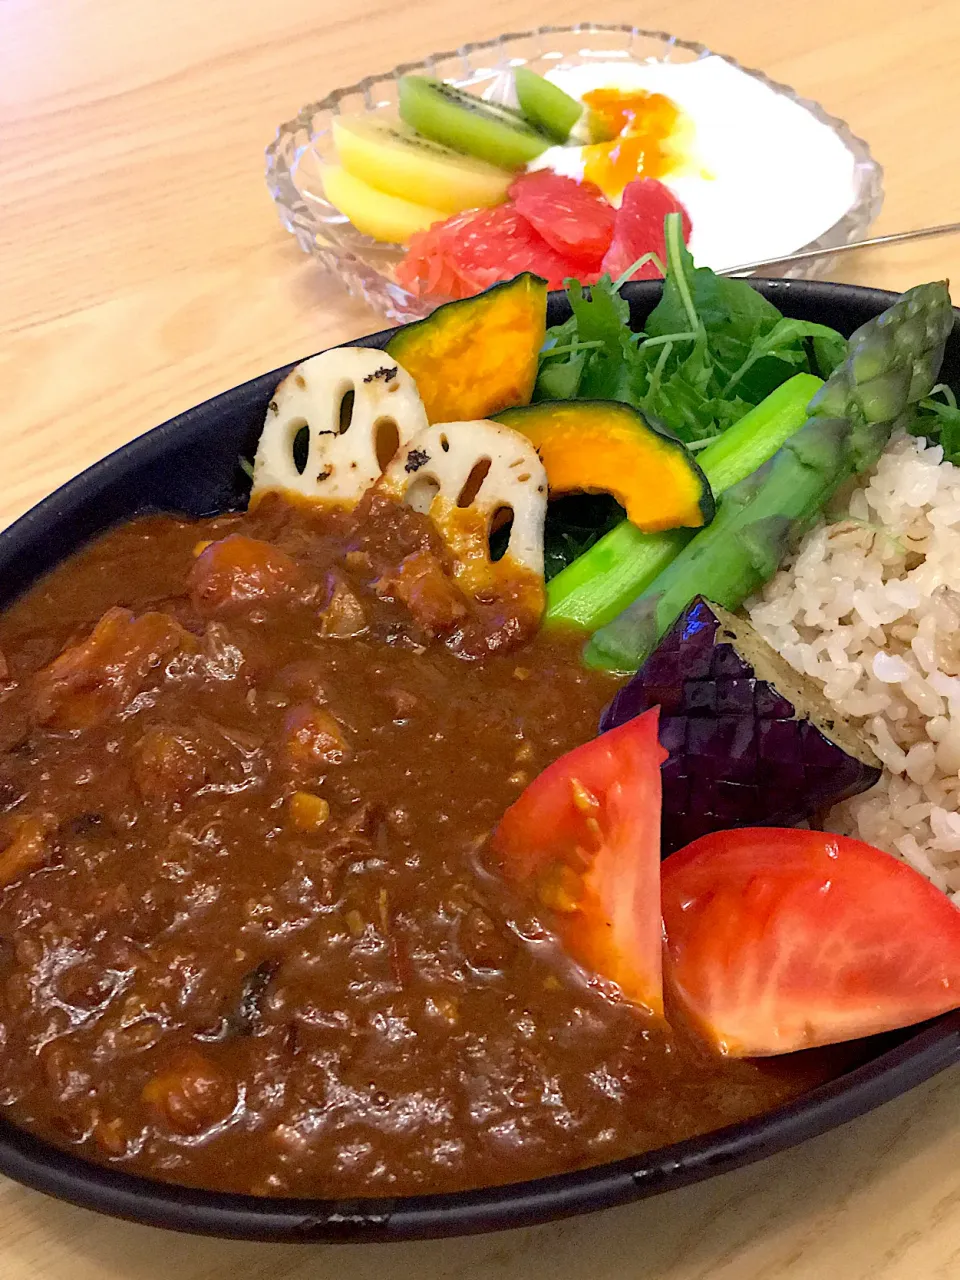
{"points": [[142, 269]]}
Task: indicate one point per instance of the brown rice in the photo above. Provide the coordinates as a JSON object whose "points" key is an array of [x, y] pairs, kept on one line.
{"points": [[870, 606]]}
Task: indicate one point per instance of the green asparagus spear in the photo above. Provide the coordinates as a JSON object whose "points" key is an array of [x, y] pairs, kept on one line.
{"points": [[893, 362], [600, 583], [749, 443]]}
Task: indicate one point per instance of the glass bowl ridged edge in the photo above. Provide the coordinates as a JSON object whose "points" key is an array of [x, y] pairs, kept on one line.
{"points": [[362, 264]]}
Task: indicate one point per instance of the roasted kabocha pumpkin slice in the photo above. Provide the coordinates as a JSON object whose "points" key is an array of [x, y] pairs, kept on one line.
{"points": [[472, 358], [603, 446]]}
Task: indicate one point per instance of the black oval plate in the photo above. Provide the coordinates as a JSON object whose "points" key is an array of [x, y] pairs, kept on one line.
{"points": [[191, 465]]}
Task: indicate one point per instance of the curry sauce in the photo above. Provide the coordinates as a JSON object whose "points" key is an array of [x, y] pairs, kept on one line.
{"points": [[248, 940]]}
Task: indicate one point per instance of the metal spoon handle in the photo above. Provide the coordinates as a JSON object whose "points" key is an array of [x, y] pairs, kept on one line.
{"points": [[898, 237]]}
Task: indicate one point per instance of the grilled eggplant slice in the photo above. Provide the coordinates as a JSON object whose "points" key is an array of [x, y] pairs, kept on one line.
{"points": [[751, 742]]}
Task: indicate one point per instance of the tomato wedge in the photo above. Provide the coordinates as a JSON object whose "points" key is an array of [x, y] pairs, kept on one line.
{"points": [[780, 940], [585, 839]]}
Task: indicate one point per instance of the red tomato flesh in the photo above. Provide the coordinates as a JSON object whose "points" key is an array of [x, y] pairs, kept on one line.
{"points": [[585, 839], [575, 218], [778, 940], [639, 228]]}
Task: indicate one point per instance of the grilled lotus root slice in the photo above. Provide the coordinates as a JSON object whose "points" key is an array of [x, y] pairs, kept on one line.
{"points": [[752, 742], [358, 406], [466, 475]]}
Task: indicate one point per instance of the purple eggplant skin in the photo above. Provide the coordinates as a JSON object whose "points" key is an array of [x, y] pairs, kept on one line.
{"points": [[751, 742]]}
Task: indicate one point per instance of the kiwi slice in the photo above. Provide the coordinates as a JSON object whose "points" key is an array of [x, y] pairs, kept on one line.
{"points": [[546, 106], [469, 125], [390, 156]]}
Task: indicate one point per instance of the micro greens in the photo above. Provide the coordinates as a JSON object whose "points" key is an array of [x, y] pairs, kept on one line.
{"points": [[636, 266], [938, 420], [570, 347], [712, 348]]}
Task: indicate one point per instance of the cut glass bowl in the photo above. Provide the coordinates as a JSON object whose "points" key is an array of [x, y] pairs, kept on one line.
{"points": [[367, 266]]}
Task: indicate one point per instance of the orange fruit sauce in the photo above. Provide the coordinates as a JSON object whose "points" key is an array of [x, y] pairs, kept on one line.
{"points": [[644, 124]]}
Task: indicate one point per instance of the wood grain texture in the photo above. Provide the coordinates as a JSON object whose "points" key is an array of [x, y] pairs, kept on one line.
{"points": [[142, 269]]}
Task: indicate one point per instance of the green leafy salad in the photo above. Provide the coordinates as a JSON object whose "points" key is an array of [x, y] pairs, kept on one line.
{"points": [[723, 370], [711, 350]]}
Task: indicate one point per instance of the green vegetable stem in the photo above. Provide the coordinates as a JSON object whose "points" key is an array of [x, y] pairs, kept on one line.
{"points": [[605, 579], [891, 365]]}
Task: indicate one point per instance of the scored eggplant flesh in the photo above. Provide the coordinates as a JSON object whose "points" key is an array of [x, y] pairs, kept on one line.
{"points": [[752, 742]]}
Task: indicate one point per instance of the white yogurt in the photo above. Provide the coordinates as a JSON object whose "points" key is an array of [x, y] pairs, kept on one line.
{"points": [[766, 177]]}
